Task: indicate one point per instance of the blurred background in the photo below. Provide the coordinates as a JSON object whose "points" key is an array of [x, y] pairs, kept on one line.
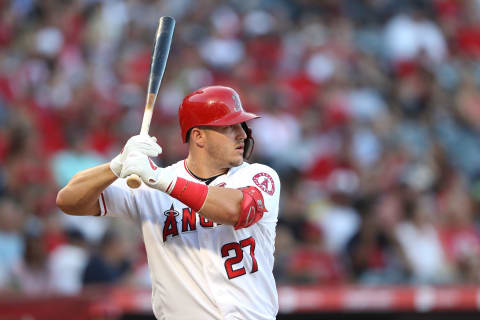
{"points": [[370, 115]]}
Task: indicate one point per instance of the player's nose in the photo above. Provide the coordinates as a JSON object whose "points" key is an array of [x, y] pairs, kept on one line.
{"points": [[239, 132]]}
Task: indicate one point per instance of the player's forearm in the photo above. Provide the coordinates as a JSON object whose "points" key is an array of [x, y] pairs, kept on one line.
{"points": [[80, 195], [222, 205]]}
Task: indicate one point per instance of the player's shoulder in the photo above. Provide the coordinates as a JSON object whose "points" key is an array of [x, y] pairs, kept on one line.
{"points": [[180, 169], [177, 166], [254, 168], [257, 174]]}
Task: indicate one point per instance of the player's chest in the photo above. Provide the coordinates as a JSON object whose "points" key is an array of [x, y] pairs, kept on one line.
{"points": [[175, 221], [181, 221]]}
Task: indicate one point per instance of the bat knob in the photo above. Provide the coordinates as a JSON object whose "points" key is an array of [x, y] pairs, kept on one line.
{"points": [[134, 181]]}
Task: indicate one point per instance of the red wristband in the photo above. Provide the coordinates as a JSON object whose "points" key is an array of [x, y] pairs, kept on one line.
{"points": [[191, 193]]}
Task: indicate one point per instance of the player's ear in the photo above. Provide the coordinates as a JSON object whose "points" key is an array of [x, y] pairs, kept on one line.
{"points": [[197, 137]]}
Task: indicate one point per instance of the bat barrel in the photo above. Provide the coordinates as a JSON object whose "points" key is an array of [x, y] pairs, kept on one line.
{"points": [[161, 48]]}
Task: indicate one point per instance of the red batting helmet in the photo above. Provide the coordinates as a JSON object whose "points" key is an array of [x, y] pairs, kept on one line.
{"points": [[214, 106]]}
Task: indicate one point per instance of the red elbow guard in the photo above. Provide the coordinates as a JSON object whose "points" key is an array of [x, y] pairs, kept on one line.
{"points": [[252, 207]]}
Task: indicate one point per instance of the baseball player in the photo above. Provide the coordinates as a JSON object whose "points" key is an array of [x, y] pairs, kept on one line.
{"points": [[208, 222]]}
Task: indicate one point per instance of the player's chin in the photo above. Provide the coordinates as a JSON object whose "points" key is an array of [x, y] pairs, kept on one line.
{"points": [[236, 161]]}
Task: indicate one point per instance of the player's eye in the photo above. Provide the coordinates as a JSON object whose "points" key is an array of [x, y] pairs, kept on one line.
{"points": [[226, 128]]}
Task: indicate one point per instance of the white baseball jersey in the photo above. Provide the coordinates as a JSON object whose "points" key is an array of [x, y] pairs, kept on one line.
{"points": [[201, 269]]}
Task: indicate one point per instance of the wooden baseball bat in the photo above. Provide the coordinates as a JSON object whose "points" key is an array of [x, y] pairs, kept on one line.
{"points": [[161, 48]]}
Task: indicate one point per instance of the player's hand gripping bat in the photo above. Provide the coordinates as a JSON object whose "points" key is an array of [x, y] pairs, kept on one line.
{"points": [[161, 48]]}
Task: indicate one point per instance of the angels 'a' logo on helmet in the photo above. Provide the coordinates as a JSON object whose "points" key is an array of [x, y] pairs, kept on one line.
{"points": [[238, 105]]}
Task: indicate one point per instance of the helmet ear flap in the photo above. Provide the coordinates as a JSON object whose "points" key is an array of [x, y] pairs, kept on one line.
{"points": [[249, 142]]}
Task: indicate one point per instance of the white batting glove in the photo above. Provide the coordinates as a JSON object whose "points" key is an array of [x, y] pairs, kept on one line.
{"points": [[155, 177], [142, 143]]}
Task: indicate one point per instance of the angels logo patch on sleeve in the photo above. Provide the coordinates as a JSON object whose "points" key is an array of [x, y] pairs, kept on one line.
{"points": [[265, 182]]}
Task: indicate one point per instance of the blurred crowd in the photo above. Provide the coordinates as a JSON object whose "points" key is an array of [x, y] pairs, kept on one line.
{"points": [[370, 114]]}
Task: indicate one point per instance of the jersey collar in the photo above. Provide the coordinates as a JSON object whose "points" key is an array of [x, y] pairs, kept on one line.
{"points": [[207, 181]]}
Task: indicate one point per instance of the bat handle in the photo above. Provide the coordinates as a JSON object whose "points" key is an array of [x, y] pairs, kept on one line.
{"points": [[134, 181]]}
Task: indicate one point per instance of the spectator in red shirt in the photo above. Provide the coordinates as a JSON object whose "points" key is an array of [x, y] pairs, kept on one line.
{"points": [[311, 263]]}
